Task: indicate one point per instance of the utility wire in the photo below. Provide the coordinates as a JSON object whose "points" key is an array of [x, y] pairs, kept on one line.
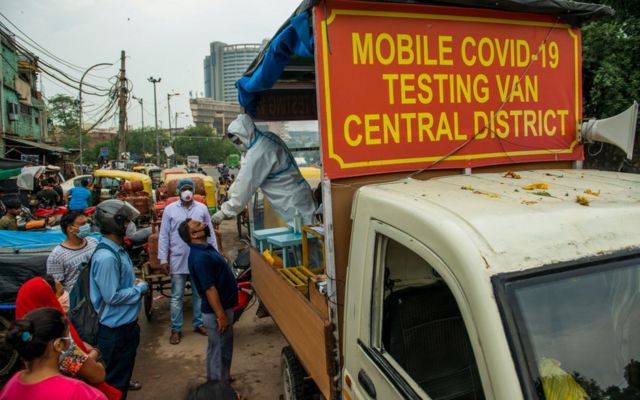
{"points": [[42, 48], [41, 63]]}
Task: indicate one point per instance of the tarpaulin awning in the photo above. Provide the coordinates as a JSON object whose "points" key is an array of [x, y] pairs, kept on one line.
{"points": [[40, 145], [295, 39], [7, 163], [9, 173], [27, 176]]}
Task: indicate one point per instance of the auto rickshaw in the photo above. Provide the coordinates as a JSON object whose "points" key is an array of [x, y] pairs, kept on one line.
{"points": [[155, 173], [132, 187], [171, 171]]}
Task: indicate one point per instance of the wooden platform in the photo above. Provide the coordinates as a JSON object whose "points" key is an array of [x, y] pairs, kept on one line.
{"points": [[306, 330]]}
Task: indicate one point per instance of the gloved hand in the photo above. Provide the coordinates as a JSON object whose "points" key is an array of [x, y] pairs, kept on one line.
{"points": [[218, 217]]}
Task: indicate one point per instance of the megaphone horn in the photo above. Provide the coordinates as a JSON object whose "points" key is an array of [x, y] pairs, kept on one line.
{"points": [[619, 130]]}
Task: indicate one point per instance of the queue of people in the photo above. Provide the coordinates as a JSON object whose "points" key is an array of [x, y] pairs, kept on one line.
{"points": [[59, 361], [53, 348]]}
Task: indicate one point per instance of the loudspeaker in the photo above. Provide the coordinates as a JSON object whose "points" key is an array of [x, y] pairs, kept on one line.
{"points": [[619, 130]]}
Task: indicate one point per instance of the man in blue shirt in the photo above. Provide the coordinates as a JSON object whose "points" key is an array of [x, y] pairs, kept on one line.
{"points": [[216, 284], [115, 294], [78, 197]]}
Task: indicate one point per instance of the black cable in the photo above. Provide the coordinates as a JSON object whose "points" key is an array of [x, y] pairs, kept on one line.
{"points": [[40, 62], [37, 45]]}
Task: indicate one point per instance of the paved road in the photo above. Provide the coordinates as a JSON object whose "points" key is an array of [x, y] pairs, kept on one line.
{"points": [[166, 371]]}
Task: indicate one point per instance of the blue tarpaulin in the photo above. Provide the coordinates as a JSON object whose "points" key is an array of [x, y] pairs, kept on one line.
{"points": [[23, 255], [29, 240], [294, 40]]}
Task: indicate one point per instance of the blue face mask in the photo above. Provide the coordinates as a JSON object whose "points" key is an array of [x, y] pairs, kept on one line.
{"points": [[83, 231]]}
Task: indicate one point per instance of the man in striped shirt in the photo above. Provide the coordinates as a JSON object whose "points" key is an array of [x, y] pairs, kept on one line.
{"points": [[65, 259]]}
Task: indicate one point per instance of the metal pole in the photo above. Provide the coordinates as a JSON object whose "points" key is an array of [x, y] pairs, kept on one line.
{"points": [[80, 107], [139, 99], [141, 113], [155, 111], [144, 136], [169, 112]]}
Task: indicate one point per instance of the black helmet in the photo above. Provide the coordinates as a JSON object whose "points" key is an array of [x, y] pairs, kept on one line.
{"points": [[113, 215]]}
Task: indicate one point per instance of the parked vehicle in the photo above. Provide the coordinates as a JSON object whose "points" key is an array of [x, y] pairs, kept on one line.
{"points": [[171, 171], [151, 170], [463, 258], [233, 161], [193, 162], [132, 187]]}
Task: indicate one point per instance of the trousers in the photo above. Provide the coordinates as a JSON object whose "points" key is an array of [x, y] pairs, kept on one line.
{"points": [[219, 347]]}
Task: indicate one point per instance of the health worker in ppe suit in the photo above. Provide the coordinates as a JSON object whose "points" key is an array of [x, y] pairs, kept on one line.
{"points": [[270, 166]]}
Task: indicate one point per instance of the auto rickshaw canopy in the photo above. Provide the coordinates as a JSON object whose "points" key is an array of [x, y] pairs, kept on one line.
{"points": [[126, 175]]}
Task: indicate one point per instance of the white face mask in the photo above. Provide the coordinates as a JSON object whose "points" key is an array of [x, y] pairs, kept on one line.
{"points": [[64, 301], [186, 195]]}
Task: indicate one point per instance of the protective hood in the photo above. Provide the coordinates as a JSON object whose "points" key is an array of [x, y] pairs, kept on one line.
{"points": [[244, 129]]}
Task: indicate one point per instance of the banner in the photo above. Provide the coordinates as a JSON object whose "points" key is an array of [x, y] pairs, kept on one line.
{"points": [[409, 87]]}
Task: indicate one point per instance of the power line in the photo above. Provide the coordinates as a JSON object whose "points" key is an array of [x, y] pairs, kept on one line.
{"points": [[41, 63], [42, 48]]}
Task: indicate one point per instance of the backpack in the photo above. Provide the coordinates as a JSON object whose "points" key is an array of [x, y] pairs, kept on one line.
{"points": [[82, 314]]}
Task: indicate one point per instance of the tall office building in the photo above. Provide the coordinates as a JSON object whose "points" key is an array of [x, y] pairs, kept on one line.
{"points": [[224, 65]]}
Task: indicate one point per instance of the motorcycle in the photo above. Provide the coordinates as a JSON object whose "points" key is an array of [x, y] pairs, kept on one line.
{"points": [[137, 247], [242, 270]]}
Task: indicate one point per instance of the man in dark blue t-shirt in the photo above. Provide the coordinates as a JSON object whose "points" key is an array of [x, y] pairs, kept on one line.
{"points": [[215, 284]]}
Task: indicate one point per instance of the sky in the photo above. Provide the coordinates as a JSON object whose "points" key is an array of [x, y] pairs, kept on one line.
{"points": [[162, 38]]}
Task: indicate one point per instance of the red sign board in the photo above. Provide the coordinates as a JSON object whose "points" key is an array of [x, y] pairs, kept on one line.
{"points": [[408, 87]]}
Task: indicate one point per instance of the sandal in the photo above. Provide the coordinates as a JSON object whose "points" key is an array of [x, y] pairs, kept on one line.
{"points": [[176, 337]]}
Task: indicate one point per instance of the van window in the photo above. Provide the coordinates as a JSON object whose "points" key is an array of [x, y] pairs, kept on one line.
{"points": [[417, 325]]}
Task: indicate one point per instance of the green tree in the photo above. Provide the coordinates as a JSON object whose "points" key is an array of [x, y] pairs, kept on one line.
{"points": [[200, 141], [611, 75], [93, 154], [64, 111]]}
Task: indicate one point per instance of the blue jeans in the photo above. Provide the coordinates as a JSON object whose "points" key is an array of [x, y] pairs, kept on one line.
{"points": [[219, 348], [178, 282]]}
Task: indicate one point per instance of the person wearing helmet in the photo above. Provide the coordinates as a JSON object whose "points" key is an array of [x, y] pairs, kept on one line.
{"points": [[115, 293], [270, 166], [176, 261]]}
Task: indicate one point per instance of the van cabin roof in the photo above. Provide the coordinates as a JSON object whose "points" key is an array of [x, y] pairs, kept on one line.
{"points": [[515, 228]]}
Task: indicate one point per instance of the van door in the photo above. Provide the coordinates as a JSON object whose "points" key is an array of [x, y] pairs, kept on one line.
{"points": [[405, 335]]}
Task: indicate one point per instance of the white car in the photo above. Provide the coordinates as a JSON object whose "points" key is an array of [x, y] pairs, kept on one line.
{"points": [[108, 184]]}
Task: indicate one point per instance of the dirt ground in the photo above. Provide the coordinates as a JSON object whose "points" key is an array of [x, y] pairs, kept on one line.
{"points": [[166, 371]]}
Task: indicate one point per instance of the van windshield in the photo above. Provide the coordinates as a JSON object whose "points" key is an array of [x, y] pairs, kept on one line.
{"points": [[579, 331]]}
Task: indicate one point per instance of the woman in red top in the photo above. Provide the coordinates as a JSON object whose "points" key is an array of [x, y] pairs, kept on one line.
{"points": [[81, 361], [42, 338]]}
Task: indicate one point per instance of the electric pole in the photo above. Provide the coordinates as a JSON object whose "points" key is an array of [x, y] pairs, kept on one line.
{"points": [[155, 111], [122, 102], [170, 135]]}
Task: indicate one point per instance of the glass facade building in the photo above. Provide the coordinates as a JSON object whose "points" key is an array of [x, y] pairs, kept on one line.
{"points": [[224, 65]]}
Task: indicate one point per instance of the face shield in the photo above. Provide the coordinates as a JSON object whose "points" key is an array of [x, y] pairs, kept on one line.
{"points": [[237, 142]]}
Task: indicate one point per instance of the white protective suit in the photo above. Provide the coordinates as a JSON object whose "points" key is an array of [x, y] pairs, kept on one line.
{"points": [[270, 166]]}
